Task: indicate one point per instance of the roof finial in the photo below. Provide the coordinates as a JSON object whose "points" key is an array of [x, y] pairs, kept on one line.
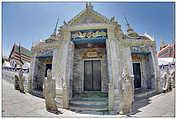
{"points": [[53, 36], [89, 5], [55, 30], [130, 31], [86, 4], [126, 20], [153, 36], [163, 44], [128, 25]]}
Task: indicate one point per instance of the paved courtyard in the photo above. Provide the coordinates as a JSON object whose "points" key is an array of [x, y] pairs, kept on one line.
{"points": [[16, 104]]}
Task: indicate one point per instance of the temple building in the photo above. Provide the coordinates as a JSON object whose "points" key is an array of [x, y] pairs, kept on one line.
{"points": [[19, 55], [89, 55]]}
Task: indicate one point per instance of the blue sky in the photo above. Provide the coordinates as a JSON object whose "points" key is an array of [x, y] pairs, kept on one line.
{"points": [[29, 22]]}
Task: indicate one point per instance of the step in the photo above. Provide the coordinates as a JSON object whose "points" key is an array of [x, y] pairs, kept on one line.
{"points": [[88, 104], [89, 101], [87, 108], [92, 94]]}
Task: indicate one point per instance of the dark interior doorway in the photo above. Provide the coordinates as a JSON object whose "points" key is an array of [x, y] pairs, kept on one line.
{"points": [[92, 75], [48, 66], [137, 75]]}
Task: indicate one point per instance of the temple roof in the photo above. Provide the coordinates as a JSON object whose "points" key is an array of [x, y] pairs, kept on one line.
{"points": [[20, 54], [21, 49], [89, 16]]}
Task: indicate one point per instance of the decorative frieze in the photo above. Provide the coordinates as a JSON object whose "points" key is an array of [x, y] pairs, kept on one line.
{"points": [[92, 53], [138, 43]]}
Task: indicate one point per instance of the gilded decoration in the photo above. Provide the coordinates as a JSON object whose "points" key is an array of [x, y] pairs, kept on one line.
{"points": [[47, 60], [89, 36], [142, 49], [45, 52], [136, 57], [91, 53], [49, 40]]}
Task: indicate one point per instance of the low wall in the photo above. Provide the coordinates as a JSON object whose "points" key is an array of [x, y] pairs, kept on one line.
{"points": [[10, 77]]}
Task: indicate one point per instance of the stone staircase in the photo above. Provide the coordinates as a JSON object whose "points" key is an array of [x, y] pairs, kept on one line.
{"points": [[89, 101]]}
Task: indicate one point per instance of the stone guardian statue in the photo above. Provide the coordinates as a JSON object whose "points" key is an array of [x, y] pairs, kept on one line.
{"points": [[173, 78], [50, 92], [16, 83], [126, 92], [166, 77], [19, 81]]}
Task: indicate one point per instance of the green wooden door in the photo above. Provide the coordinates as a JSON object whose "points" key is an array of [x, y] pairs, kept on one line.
{"points": [[92, 75]]}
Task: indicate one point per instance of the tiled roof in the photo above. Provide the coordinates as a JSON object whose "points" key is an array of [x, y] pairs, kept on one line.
{"points": [[23, 50]]}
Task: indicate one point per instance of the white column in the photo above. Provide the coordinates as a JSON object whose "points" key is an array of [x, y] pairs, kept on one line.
{"points": [[110, 77], [156, 70]]}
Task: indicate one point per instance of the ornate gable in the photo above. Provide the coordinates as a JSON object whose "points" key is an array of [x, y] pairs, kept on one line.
{"points": [[88, 16]]}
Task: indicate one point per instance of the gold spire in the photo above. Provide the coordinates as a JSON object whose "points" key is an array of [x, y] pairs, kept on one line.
{"points": [[86, 4], [53, 35], [55, 29], [128, 25], [130, 31]]}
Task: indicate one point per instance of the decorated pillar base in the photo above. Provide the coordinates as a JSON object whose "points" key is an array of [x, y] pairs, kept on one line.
{"points": [[111, 96]]}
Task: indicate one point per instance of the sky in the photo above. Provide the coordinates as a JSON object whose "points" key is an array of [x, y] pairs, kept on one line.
{"points": [[29, 22]]}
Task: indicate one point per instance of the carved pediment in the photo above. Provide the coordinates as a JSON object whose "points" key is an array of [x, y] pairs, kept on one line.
{"points": [[88, 16], [89, 19]]}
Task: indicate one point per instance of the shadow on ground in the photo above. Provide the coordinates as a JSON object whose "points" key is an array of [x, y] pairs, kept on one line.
{"points": [[138, 103], [142, 102]]}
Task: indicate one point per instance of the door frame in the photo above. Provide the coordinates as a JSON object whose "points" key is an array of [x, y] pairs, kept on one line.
{"points": [[140, 71], [88, 59]]}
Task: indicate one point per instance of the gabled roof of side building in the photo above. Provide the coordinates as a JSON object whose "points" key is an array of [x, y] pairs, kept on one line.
{"points": [[23, 50]]}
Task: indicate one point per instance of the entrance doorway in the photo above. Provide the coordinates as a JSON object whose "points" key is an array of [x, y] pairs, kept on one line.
{"points": [[92, 75], [137, 75]]}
